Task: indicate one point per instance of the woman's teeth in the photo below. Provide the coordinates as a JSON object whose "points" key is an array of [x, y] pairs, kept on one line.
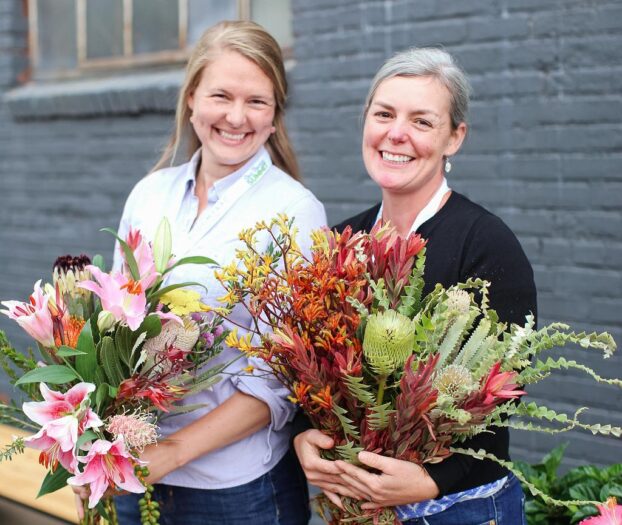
{"points": [[395, 158], [231, 136]]}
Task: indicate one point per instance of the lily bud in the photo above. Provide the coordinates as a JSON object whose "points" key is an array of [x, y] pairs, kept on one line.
{"points": [[105, 321], [162, 246]]}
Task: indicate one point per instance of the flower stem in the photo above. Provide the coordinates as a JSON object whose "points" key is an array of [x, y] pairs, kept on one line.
{"points": [[382, 381]]}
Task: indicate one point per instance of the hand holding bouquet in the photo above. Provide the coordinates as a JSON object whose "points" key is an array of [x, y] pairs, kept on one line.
{"points": [[120, 348], [379, 367]]}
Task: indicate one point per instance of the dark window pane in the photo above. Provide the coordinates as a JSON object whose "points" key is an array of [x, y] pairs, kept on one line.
{"points": [[57, 35], [156, 26], [104, 29], [205, 13], [276, 17]]}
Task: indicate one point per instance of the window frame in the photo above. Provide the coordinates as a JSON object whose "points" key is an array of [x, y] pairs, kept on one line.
{"points": [[128, 59]]}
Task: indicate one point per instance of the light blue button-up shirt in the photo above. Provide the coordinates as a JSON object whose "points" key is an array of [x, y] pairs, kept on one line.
{"points": [[170, 192]]}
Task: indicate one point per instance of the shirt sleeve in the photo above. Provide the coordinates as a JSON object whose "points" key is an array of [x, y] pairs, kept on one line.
{"points": [[308, 214]]}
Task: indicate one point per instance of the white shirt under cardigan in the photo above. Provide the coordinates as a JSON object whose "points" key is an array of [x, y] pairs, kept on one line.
{"points": [[257, 191]]}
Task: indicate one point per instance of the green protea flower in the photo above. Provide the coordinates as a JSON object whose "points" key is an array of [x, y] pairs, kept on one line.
{"points": [[389, 340], [458, 301], [455, 382]]}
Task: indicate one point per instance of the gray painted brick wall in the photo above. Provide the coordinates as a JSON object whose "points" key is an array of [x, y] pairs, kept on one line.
{"points": [[544, 152]]}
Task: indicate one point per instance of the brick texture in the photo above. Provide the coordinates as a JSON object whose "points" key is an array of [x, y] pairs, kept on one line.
{"points": [[543, 153], [543, 150]]}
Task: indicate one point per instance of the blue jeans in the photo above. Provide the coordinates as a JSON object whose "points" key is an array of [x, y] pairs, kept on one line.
{"points": [[279, 497], [506, 507]]}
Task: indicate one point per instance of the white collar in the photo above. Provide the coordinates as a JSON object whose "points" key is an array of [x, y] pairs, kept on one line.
{"points": [[429, 209]]}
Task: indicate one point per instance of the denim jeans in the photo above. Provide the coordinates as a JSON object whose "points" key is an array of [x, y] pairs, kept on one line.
{"points": [[506, 507], [279, 497]]}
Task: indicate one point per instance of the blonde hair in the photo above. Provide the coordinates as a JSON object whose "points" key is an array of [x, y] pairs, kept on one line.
{"points": [[254, 43]]}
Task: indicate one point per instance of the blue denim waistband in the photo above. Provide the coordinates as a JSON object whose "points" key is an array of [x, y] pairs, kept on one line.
{"points": [[434, 506]]}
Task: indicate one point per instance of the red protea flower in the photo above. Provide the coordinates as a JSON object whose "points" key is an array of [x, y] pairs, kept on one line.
{"points": [[498, 387]]}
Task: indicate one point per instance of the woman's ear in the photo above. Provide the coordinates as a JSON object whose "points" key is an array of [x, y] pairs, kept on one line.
{"points": [[455, 141]]}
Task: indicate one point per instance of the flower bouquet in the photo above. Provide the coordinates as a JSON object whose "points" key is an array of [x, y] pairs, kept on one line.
{"points": [[380, 367], [120, 349]]}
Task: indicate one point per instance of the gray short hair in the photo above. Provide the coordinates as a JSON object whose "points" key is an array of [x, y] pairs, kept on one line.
{"points": [[428, 62]]}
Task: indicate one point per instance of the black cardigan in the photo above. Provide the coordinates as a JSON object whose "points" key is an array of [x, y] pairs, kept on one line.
{"points": [[465, 240]]}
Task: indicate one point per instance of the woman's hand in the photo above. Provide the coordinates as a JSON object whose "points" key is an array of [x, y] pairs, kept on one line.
{"points": [[398, 483], [320, 472], [80, 495]]}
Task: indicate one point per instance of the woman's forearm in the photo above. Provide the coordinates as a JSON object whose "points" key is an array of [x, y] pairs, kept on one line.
{"points": [[238, 417]]}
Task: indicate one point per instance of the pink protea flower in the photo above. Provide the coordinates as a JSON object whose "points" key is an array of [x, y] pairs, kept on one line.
{"points": [[136, 429], [610, 514], [107, 464], [121, 296], [34, 316]]}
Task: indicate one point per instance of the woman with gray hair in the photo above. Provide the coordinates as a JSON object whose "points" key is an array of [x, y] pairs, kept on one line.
{"points": [[414, 122]]}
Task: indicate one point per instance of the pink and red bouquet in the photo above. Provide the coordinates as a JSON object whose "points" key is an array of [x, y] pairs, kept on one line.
{"points": [[380, 367], [117, 349]]}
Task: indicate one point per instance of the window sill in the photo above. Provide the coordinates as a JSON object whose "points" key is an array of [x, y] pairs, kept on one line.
{"points": [[121, 95]]}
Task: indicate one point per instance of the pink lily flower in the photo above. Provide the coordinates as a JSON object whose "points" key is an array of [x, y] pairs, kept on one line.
{"points": [[121, 296], [62, 417], [34, 316], [108, 464], [52, 452], [143, 254], [610, 514]]}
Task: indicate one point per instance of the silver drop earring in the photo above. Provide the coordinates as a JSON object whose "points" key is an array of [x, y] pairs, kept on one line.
{"points": [[447, 165]]}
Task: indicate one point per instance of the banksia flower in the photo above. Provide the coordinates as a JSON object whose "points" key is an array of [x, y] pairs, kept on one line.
{"points": [[389, 340], [137, 430], [69, 270], [458, 301], [454, 381]]}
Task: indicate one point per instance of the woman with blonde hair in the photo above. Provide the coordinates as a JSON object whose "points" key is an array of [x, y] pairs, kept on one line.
{"points": [[228, 462]]}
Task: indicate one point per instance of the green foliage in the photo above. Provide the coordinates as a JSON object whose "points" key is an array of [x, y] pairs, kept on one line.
{"points": [[346, 423], [54, 481], [349, 452], [52, 374], [360, 390], [13, 448], [379, 415], [86, 364], [580, 483]]}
